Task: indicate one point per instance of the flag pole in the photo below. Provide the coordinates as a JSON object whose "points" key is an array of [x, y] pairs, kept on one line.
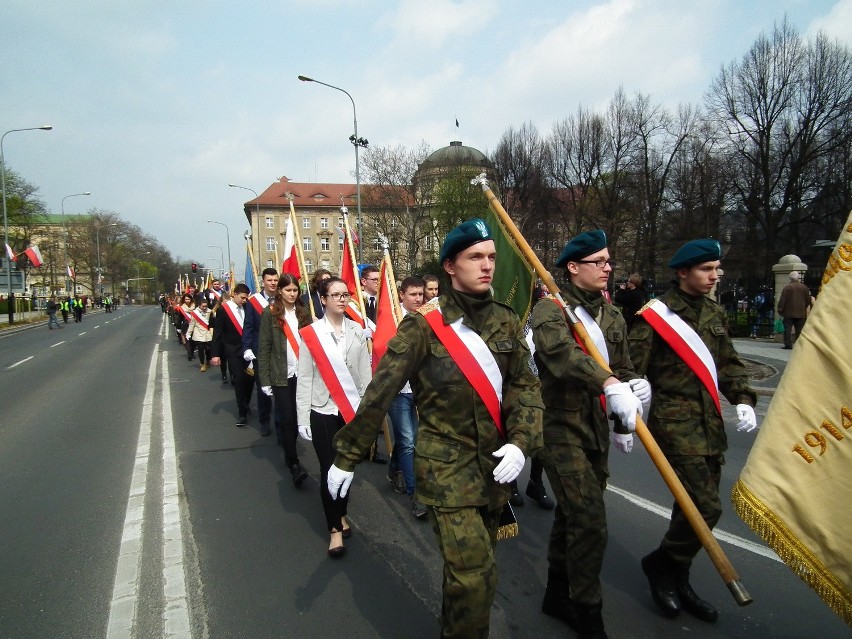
{"points": [[389, 274], [711, 545], [300, 255], [254, 272], [348, 234]]}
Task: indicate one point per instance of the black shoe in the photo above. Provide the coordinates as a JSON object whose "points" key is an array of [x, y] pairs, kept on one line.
{"points": [[690, 601], [337, 552], [264, 430], [536, 491], [397, 481], [590, 622], [299, 474], [378, 459], [557, 600], [242, 420], [660, 569], [516, 499], [417, 509], [787, 348], [224, 380]]}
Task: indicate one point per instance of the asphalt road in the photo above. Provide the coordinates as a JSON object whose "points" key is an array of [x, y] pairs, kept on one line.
{"points": [[130, 500]]}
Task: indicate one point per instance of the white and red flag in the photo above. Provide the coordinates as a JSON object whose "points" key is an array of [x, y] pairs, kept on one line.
{"points": [[387, 312], [35, 256], [349, 274], [11, 254], [290, 263], [71, 274]]}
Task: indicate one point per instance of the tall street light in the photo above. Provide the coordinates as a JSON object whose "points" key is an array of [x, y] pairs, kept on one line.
{"points": [[138, 278], [65, 238], [221, 253], [256, 210], [228, 238], [5, 214], [357, 143], [98, 242]]}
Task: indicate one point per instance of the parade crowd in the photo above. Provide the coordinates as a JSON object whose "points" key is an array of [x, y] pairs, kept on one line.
{"points": [[470, 392]]}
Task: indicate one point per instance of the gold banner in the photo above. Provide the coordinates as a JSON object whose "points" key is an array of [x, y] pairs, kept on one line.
{"points": [[795, 490]]}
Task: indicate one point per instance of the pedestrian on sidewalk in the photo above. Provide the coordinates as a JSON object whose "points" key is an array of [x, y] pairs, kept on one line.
{"points": [[52, 307], [793, 306]]}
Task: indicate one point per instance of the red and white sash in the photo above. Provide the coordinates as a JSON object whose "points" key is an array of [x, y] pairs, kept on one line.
{"points": [[353, 312], [216, 294], [230, 309], [475, 360], [258, 302], [185, 313], [292, 340], [686, 343], [200, 319], [332, 368]]}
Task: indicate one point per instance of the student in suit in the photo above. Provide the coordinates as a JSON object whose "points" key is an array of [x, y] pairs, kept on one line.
{"points": [[228, 343]]}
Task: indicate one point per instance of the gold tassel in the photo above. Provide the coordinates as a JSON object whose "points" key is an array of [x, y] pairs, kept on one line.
{"points": [[507, 527]]}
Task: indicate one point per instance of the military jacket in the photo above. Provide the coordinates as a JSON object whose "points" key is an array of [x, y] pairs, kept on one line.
{"points": [[453, 461], [571, 381], [683, 416]]}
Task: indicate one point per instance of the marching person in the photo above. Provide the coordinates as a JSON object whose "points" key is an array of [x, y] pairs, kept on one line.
{"points": [[430, 287], [254, 309], [199, 332], [334, 370], [312, 299], [183, 318], [472, 436], [793, 307], [681, 343], [214, 293], [578, 396], [279, 346], [228, 342]]}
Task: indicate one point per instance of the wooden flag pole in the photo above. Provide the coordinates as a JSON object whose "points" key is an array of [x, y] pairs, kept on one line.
{"points": [[300, 256], [711, 545]]}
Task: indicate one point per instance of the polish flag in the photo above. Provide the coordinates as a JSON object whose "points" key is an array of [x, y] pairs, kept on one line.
{"points": [[291, 261], [11, 254], [35, 256], [349, 274], [386, 318], [70, 270]]}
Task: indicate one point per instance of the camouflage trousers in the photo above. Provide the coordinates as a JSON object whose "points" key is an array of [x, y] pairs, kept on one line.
{"points": [[700, 476], [579, 535], [466, 537]]}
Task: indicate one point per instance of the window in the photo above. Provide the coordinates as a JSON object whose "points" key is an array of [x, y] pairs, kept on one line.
{"points": [[308, 243], [269, 264], [323, 222], [270, 223], [325, 245], [377, 245], [429, 242], [270, 243], [340, 222], [325, 264], [339, 242], [309, 266], [306, 222]]}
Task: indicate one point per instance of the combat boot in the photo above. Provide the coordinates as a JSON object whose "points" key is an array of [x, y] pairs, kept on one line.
{"points": [[536, 491], [660, 570], [590, 623], [557, 599], [690, 601]]}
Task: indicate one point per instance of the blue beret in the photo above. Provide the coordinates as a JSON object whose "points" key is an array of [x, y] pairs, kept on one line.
{"points": [[582, 246], [464, 236], [696, 252]]}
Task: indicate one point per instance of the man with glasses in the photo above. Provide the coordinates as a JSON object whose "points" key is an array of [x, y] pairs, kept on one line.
{"points": [[579, 395], [370, 288]]}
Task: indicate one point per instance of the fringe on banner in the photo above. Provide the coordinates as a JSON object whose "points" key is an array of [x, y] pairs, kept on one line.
{"points": [[792, 551], [507, 527]]}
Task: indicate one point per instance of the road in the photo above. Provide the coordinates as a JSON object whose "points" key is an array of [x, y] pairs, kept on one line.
{"points": [[132, 506]]}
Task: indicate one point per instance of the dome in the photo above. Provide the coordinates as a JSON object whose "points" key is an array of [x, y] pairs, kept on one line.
{"points": [[456, 154]]}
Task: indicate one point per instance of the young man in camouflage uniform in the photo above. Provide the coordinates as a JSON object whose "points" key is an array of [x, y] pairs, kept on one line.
{"points": [[685, 418], [576, 430], [462, 464]]}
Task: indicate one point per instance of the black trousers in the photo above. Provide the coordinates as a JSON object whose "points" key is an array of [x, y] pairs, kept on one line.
{"points": [[203, 352], [243, 383], [323, 429], [264, 401], [286, 427]]}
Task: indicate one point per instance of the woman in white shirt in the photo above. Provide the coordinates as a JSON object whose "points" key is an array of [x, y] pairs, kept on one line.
{"points": [[334, 370]]}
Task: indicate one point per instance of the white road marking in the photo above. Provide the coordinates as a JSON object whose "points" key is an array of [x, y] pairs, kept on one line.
{"points": [[721, 535], [98, 326], [58, 343], [175, 604], [83, 333], [125, 591], [19, 363]]}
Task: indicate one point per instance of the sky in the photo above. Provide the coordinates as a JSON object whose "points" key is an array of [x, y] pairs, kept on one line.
{"points": [[157, 106]]}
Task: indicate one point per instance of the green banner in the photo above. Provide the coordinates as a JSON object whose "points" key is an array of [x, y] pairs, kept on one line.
{"points": [[514, 278]]}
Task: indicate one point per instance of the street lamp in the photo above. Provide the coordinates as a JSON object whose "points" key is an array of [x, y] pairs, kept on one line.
{"points": [[221, 253], [98, 242], [256, 209], [5, 214], [65, 237], [357, 143], [138, 278], [228, 238]]}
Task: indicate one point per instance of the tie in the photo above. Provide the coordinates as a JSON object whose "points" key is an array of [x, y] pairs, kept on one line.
{"points": [[371, 308], [240, 312]]}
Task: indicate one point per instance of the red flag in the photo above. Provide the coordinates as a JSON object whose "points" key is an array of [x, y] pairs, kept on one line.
{"points": [[11, 254], [386, 319], [349, 274], [71, 274], [35, 256], [291, 262]]}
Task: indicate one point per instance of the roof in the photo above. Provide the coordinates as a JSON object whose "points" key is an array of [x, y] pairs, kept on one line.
{"points": [[456, 154], [306, 194]]}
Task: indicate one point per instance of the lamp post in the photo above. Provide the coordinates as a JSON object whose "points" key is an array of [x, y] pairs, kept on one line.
{"points": [[221, 254], [138, 278], [357, 143], [65, 237], [98, 242], [256, 210], [228, 238], [9, 297]]}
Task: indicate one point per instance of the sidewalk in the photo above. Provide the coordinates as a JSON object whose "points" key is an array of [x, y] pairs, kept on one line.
{"points": [[32, 319], [768, 352]]}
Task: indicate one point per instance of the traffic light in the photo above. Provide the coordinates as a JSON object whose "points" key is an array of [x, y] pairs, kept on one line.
{"points": [[194, 267]]}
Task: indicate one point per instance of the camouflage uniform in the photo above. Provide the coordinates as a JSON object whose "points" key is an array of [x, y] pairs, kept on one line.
{"points": [[683, 417], [576, 435], [453, 460]]}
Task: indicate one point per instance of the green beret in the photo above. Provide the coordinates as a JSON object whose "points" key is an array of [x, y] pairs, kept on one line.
{"points": [[464, 236], [582, 246], [696, 252]]}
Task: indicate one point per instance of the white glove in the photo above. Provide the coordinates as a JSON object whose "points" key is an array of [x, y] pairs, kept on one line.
{"points": [[249, 355], [642, 389], [305, 432], [748, 420], [368, 333], [267, 390], [512, 464], [338, 481], [624, 443], [621, 402]]}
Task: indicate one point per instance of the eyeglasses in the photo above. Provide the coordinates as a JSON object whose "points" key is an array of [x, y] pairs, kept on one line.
{"points": [[338, 296], [372, 279], [598, 263]]}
